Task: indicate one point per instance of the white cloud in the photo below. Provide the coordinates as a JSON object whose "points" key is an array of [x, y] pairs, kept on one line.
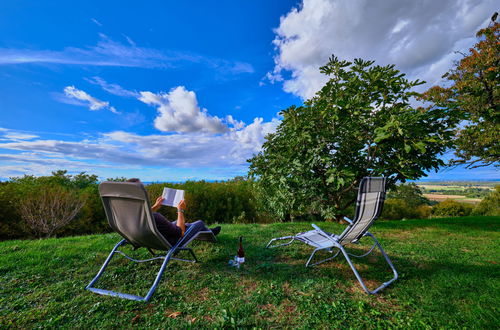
{"points": [[237, 124], [96, 22], [114, 89], [252, 136], [123, 150], [179, 112], [19, 136], [108, 52], [92, 102], [419, 38]]}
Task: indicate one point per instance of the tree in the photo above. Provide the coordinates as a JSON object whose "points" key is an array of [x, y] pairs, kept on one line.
{"points": [[490, 205], [47, 211], [410, 193], [474, 96], [360, 123]]}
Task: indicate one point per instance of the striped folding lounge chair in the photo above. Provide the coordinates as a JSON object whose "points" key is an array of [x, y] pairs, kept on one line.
{"points": [[129, 214], [369, 204]]}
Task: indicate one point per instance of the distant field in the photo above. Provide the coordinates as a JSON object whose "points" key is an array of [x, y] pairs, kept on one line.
{"points": [[463, 191], [459, 198], [455, 184], [453, 187]]}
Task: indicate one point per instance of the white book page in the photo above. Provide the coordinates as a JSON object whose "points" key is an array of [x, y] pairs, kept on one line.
{"points": [[172, 197]]}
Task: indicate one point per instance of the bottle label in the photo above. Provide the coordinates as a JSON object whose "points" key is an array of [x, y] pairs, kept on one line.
{"points": [[241, 260]]}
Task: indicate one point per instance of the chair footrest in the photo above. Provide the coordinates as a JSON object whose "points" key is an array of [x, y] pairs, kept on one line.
{"points": [[116, 294]]}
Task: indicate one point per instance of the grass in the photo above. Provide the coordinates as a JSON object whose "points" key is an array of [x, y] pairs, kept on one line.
{"points": [[449, 278]]}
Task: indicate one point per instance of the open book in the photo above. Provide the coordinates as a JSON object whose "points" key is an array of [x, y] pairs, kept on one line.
{"points": [[172, 196]]}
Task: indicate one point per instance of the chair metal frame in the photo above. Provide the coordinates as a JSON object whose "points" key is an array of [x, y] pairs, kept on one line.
{"points": [[166, 259], [336, 245]]}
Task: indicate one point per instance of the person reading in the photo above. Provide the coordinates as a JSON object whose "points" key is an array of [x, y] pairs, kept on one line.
{"points": [[172, 231]]}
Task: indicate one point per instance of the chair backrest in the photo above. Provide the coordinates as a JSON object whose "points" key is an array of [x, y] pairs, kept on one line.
{"points": [[371, 196], [129, 214]]}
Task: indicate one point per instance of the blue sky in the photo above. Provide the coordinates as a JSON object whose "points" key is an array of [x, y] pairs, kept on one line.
{"points": [[176, 90]]}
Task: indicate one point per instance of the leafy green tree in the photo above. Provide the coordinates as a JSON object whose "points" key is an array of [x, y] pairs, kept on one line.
{"points": [[490, 205], [474, 96], [360, 123], [410, 193]]}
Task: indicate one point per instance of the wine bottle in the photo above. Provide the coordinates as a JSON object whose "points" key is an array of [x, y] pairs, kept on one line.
{"points": [[241, 252]]}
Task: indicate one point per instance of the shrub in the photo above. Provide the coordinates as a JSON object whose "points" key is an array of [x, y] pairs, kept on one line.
{"points": [[11, 225], [490, 205], [45, 212], [224, 202], [451, 208], [395, 209], [423, 211]]}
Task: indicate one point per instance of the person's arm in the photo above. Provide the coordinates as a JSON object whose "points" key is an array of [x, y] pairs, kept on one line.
{"points": [[181, 222], [157, 204]]}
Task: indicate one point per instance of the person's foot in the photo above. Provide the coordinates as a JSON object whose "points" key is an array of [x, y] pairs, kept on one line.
{"points": [[216, 230]]}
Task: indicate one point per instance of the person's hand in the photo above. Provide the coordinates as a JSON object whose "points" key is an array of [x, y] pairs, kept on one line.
{"points": [[158, 202], [181, 206]]}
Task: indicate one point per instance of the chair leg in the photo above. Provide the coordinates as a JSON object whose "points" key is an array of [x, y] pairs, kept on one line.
{"points": [[308, 263], [187, 260], [126, 295], [158, 276], [291, 238], [103, 267], [360, 279]]}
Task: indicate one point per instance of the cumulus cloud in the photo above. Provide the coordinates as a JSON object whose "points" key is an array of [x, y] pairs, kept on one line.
{"points": [[252, 136], [237, 124], [92, 102], [420, 38], [124, 149], [178, 111]]}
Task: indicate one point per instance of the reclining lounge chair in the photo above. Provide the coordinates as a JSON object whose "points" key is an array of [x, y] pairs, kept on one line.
{"points": [[369, 204], [129, 214]]}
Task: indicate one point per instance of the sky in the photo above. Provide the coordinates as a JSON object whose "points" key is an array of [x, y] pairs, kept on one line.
{"points": [[187, 90]]}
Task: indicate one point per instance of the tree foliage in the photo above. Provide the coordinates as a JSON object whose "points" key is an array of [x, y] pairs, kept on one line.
{"points": [[410, 193], [359, 124], [451, 208], [474, 96], [490, 205]]}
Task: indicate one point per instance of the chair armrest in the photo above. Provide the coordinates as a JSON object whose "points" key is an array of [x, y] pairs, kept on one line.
{"points": [[348, 220]]}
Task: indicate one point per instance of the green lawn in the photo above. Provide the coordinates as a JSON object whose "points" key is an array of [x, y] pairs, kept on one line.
{"points": [[449, 278]]}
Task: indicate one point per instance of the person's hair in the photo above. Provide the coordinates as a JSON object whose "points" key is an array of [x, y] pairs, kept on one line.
{"points": [[133, 180]]}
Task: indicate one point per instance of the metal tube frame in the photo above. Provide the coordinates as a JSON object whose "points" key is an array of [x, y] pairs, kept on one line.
{"points": [[176, 248], [346, 254]]}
